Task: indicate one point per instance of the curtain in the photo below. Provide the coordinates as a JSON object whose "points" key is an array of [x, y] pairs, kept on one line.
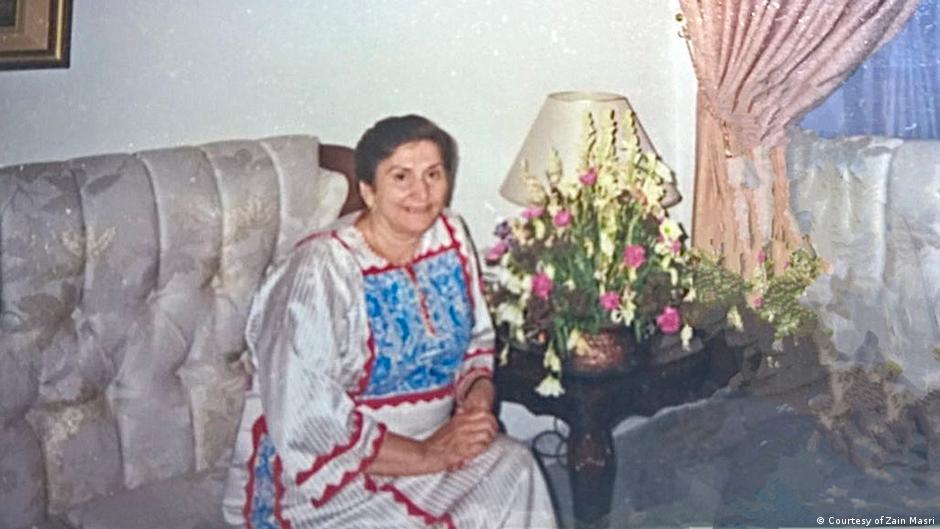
{"points": [[894, 93], [761, 65]]}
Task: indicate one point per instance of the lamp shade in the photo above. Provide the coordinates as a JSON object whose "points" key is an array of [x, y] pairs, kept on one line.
{"points": [[558, 126]]}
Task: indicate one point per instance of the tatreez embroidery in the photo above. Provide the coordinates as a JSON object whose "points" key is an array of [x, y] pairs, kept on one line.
{"points": [[421, 320], [263, 496]]}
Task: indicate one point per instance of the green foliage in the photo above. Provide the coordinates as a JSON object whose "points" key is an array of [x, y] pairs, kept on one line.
{"points": [[775, 298]]}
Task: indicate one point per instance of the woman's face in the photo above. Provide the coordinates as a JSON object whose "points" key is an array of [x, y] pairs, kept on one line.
{"points": [[409, 190]]}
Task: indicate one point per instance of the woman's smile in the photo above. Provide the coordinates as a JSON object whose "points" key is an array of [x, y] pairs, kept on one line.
{"points": [[409, 191]]}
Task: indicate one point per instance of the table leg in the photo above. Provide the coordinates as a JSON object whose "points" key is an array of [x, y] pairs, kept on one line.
{"points": [[591, 470]]}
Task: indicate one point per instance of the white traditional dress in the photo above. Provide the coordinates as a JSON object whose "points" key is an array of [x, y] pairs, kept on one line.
{"points": [[348, 347]]}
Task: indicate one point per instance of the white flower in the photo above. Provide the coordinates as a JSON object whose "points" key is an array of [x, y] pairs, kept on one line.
{"points": [[539, 226], [550, 387], [509, 313], [504, 355], [555, 169], [573, 337], [625, 313], [607, 244], [513, 283], [686, 336], [734, 319], [653, 191], [551, 360], [569, 188], [549, 270], [670, 230], [589, 247]]}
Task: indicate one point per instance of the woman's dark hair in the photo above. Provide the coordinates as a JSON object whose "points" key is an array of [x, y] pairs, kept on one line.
{"points": [[378, 143]]}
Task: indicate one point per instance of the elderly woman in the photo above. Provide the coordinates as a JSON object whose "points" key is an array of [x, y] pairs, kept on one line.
{"points": [[371, 403]]}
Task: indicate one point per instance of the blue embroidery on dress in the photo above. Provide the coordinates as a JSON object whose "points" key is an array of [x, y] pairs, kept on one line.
{"points": [[409, 359], [264, 493]]}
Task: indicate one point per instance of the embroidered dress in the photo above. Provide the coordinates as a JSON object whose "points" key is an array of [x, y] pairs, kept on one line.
{"points": [[349, 347]]}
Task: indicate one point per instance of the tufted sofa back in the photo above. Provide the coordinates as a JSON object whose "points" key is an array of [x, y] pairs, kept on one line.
{"points": [[125, 280]]}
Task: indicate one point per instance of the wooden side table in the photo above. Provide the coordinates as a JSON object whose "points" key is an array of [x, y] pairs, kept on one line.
{"points": [[593, 405]]}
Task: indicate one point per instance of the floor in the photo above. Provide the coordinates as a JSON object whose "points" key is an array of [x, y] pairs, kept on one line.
{"points": [[793, 442]]}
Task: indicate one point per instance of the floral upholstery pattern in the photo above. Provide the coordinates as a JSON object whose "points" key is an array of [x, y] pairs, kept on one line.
{"points": [[125, 280]]}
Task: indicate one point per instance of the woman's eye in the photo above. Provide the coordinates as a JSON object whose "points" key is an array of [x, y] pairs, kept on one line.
{"points": [[435, 175], [399, 177]]}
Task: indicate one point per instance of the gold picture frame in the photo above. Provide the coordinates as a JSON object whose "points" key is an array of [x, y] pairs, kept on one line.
{"points": [[35, 33]]}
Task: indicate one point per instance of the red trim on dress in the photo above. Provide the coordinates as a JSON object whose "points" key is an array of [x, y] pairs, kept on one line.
{"points": [[373, 270], [348, 476], [410, 397], [422, 301], [366, 368], [480, 351], [338, 450], [411, 507], [464, 262], [311, 236], [279, 493], [257, 430], [335, 235]]}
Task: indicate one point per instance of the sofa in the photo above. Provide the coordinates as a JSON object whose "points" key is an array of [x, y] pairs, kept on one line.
{"points": [[125, 281], [871, 207]]}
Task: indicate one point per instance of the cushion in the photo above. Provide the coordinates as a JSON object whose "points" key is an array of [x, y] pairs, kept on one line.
{"points": [[22, 492], [185, 502], [80, 449]]}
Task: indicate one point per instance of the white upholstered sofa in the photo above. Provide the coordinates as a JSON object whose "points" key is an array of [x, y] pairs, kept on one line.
{"points": [[124, 284], [871, 206]]}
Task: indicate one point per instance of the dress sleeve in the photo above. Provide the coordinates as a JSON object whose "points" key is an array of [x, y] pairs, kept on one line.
{"points": [[479, 359], [304, 334]]}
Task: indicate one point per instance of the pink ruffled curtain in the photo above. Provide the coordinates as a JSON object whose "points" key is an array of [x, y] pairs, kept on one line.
{"points": [[761, 65]]}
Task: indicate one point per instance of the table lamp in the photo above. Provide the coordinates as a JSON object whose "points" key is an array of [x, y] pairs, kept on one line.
{"points": [[559, 126]]}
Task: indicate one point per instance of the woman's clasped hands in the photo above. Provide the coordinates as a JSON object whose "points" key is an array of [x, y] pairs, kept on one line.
{"points": [[469, 432]]}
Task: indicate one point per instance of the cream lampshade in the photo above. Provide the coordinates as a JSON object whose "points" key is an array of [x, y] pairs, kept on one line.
{"points": [[558, 126]]}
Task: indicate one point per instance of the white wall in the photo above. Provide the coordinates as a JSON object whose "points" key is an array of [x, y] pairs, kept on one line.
{"points": [[149, 74]]}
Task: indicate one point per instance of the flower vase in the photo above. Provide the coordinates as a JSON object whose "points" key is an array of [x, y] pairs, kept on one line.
{"points": [[608, 350]]}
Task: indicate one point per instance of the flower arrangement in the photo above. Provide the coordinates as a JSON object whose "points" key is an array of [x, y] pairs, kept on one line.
{"points": [[595, 250]]}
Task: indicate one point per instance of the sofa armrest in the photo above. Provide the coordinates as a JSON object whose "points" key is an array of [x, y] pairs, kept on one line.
{"points": [[340, 158]]}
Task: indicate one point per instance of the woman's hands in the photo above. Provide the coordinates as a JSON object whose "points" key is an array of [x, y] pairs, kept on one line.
{"points": [[466, 435], [479, 397], [470, 431]]}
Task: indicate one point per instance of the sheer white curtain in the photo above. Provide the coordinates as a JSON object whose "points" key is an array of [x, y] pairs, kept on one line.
{"points": [[894, 93]]}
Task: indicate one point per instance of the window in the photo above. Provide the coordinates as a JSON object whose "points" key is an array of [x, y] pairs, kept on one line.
{"points": [[896, 92]]}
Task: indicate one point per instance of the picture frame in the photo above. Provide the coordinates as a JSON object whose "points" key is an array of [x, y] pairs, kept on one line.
{"points": [[35, 34]]}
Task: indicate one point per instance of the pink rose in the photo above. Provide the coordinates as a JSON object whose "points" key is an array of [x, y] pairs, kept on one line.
{"points": [[610, 300], [589, 178], [496, 251], [533, 212], [634, 256], [761, 257], [669, 321], [542, 285], [676, 247], [758, 303], [562, 218]]}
